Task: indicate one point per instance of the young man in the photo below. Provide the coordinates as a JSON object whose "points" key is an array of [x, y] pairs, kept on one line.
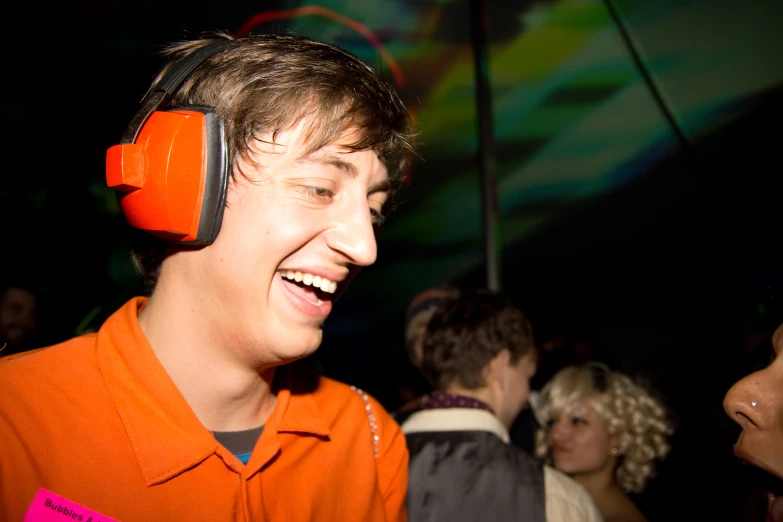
{"points": [[183, 406], [479, 355]]}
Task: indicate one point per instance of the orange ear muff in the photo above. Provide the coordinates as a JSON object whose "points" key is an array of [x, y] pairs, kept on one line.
{"points": [[173, 178], [171, 169]]}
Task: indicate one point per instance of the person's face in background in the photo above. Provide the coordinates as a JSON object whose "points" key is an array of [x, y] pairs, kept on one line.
{"points": [[579, 442], [17, 316], [756, 404]]}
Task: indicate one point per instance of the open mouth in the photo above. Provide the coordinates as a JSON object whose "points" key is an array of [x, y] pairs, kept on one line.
{"points": [[313, 289]]}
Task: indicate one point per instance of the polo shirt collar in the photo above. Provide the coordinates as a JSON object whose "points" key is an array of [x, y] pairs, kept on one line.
{"points": [[296, 410], [166, 436]]}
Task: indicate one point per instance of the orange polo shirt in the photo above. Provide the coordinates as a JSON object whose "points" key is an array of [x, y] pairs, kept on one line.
{"points": [[97, 420]]}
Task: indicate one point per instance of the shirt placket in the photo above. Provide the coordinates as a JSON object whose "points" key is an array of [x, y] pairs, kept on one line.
{"points": [[251, 482]]}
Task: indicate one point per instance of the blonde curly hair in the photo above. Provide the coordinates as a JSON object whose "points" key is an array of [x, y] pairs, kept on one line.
{"points": [[640, 422]]}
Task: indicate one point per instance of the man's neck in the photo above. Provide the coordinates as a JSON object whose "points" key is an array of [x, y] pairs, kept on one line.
{"points": [[481, 394], [225, 392]]}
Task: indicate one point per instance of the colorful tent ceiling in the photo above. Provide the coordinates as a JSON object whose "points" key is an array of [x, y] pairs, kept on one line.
{"points": [[574, 117]]}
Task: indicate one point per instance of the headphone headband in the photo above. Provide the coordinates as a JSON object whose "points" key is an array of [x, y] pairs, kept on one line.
{"points": [[160, 93]]}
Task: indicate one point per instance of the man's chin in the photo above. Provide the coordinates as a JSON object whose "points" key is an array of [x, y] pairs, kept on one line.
{"points": [[296, 351]]}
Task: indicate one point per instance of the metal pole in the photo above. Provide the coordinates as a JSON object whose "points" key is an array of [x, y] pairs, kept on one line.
{"points": [[486, 150], [667, 111]]}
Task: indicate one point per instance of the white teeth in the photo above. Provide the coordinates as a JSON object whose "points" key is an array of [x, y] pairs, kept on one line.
{"points": [[309, 279]]}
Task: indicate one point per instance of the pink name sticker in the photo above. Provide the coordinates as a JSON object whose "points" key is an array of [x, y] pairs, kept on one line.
{"points": [[51, 507]]}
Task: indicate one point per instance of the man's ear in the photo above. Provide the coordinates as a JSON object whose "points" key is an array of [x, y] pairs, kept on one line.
{"points": [[497, 367]]}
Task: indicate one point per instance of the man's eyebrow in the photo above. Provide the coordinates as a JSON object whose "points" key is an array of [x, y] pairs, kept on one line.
{"points": [[330, 159], [345, 166]]}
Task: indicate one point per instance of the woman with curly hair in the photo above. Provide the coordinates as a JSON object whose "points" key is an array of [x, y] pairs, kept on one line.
{"points": [[605, 431]]}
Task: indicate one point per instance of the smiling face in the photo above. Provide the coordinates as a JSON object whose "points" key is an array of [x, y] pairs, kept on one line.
{"points": [[296, 228], [579, 442], [756, 404]]}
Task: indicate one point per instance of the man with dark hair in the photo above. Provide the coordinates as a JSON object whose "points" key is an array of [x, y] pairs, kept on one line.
{"points": [[184, 406], [479, 355]]}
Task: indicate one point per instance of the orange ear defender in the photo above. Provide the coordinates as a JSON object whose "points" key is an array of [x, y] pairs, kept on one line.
{"points": [[171, 168]]}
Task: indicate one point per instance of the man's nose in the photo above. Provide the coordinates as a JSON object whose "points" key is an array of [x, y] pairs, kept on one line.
{"points": [[353, 234]]}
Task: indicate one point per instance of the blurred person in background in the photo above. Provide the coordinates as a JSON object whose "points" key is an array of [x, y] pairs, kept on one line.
{"points": [[417, 314], [605, 431], [479, 355], [556, 351], [19, 306]]}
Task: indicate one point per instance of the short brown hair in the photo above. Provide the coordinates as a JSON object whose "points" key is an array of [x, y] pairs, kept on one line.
{"points": [[467, 332], [270, 83]]}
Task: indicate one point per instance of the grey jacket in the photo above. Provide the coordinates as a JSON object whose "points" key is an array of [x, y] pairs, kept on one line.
{"points": [[462, 469]]}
